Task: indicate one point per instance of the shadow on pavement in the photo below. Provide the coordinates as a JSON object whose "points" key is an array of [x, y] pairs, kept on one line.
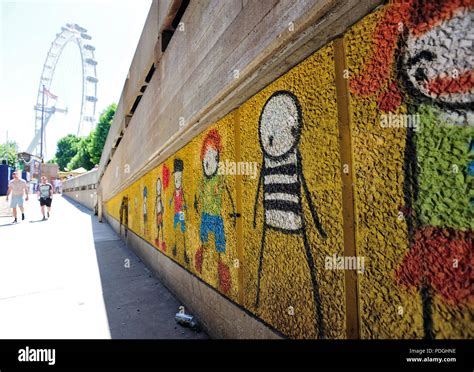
{"points": [[138, 306]]}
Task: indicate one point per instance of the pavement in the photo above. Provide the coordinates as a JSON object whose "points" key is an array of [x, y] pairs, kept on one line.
{"points": [[71, 277], [5, 210]]}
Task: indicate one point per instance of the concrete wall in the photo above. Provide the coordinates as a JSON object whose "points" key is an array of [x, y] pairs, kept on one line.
{"points": [[264, 191], [83, 188], [234, 49]]}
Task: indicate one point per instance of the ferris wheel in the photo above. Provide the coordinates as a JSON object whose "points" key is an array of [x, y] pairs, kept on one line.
{"points": [[45, 106]]}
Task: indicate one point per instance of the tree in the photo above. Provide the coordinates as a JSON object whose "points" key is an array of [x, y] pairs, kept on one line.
{"points": [[67, 148], [8, 152], [82, 157], [74, 152], [99, 135]]}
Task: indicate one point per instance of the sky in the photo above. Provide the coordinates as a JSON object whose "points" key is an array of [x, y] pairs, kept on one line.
{"points": [[27, 29]]}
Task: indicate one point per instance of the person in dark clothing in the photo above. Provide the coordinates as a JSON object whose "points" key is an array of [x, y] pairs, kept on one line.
{"points": [[45, 193]]}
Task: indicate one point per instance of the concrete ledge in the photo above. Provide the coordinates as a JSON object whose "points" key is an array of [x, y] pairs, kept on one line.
{"points": [[219, 317], [82, 189], [87, 198]]}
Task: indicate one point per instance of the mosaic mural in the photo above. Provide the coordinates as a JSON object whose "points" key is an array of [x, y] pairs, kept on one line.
{"points": [[253, 205]]}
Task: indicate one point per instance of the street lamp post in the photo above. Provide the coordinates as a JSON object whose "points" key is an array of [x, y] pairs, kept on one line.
{"points": [[41, 138]]}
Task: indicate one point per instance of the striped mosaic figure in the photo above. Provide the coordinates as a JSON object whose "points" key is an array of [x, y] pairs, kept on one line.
{"points": [[282, 199], [284, 184]]}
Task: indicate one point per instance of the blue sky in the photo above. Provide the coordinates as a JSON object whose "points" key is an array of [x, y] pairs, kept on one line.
{"points": [[27, 29]]}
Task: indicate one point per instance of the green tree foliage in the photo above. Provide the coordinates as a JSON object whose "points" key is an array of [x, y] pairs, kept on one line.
{"points": [[67, 148], [99, 135], [74, 152], [82, 157], [8, 152]]}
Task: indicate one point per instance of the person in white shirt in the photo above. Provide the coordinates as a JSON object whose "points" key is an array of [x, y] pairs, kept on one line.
{"points": [[18, 188], [56, 185]]}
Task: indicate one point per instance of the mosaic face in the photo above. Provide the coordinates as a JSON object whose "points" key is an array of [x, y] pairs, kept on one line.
{"points": [[280, 125], [158, 186], [210, 162], [178, 177], [439, 63]]}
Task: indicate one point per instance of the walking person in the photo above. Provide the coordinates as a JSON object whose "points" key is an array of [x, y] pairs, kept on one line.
{"points": [[17, 187], [56, 186], [45, 193]]}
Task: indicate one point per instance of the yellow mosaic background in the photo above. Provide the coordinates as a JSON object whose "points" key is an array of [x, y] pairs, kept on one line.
{"points": [[286, 296], [192, 175], [378, 156], [285, 281]]}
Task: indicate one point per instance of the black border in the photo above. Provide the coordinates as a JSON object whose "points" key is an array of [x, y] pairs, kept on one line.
{"points": [[161, 355]]}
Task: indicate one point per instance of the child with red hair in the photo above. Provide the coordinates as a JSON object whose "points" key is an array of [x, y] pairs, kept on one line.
{"points": [[210, 197]]}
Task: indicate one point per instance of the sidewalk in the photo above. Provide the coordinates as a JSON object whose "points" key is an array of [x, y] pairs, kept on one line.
{"points": [[4, 207], [72, 277]]}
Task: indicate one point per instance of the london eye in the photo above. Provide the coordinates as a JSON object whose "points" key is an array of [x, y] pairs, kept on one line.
{"points": [[47, 101]]}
